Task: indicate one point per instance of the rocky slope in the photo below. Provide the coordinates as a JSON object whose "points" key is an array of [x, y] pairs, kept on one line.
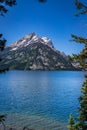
{"points": [[33, 53]]}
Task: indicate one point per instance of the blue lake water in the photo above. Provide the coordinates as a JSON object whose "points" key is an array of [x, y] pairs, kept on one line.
{"points": [[49, 94]]}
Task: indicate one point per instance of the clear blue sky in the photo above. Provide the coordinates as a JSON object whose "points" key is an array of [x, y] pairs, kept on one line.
{"points": [[54, 19]]}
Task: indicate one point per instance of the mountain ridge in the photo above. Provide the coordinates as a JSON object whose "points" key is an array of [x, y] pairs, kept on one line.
{"points": [[34, 53]]}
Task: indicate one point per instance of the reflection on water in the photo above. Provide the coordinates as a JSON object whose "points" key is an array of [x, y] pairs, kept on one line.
{"points": [[48, 94]]}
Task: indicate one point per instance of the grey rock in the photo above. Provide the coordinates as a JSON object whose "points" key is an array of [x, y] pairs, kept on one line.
{"points": [[34, 53]]}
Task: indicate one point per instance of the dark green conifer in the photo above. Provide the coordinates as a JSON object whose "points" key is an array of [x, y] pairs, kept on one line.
{"points": [[82, 57], [82, 118], [2, 43], [4, 4], [71, 123]]}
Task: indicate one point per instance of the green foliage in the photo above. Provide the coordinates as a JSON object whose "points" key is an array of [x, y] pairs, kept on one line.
{"points": [[82, 119], [42, 0], [69, 58], [79, 39], [12, 67], [4, 4], [80, 6], [3, 10], [82, 57], [2, 45], [71, 123], [2, 42], [26, 67]]}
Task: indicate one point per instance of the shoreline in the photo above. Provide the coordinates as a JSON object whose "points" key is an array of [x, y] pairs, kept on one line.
{"points": [[33, 122]]}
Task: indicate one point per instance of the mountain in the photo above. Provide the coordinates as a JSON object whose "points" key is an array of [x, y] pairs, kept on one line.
{"points": [[34, 53]]}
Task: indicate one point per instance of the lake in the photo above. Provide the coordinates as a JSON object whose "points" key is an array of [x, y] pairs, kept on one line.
{"points": [[40, 99]]}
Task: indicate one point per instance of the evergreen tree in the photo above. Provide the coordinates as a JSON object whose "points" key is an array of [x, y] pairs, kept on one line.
{"points": [[81, 7], [81, 120], [2, 42], [3, 10], [4, 4], [71, 123], [82, 57]]}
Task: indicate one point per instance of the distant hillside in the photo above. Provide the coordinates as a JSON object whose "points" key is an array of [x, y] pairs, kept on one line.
{"points": [[34, 53]]}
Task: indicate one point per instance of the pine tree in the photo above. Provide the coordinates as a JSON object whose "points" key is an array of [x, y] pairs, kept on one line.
{"points": [[71, 123], [81, 121], [80, 6], [82, 118], [2, 42], [3, 10], [4, 4], [82, 57]]}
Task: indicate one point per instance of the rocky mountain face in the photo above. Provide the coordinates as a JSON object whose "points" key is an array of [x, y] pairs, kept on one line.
{"points": [[34, 53]]}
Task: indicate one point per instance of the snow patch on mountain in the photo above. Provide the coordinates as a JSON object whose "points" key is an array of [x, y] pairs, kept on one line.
{"points": [[48, 42], [31, 39]]}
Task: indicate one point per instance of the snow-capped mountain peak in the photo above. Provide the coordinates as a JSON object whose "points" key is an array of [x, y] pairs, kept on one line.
{"points": [[48, 42], [33, 53], [31, 38]]}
